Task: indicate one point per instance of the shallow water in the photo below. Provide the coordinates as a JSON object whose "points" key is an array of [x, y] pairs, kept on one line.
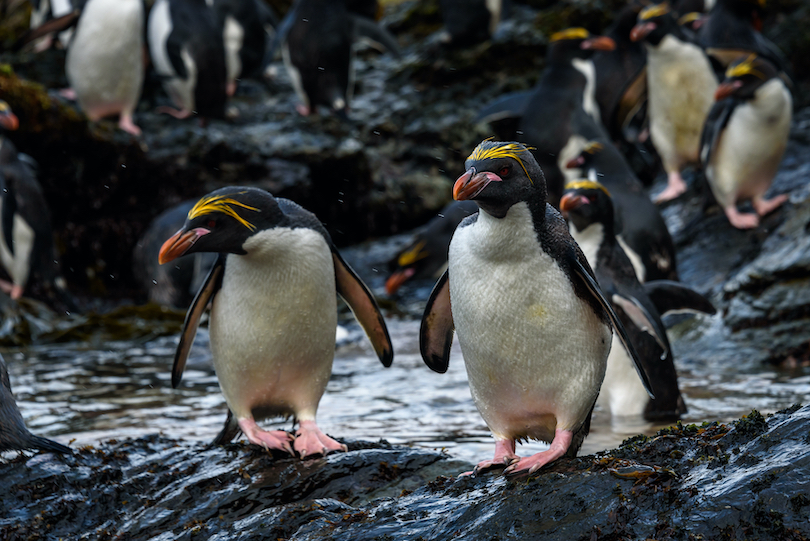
{"points": [[74, 392]]}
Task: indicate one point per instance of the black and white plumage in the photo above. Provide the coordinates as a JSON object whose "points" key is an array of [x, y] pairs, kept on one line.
{"points": [[14, 436], [175, 284], [26, 238], [469, 22], [426, 255], [316, 38], [43, 11], [680, 90], [273, 317], [588, 207], [745, 137], [640, 228], [188, 53], [104, 64], [560, 114], [533, 325]]}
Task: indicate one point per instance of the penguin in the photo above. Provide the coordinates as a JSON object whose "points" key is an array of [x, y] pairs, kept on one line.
{"points": [[426, 255], [469, 22], [169, 285], [104, 63], [733, 29], [745, 137], [187, 50], [26, 242], [46, 10], [316, 37], [14, 436], [680, 88], [640, 228], [244, 25], [562, 114], [588, 208], [532, 322], [273, 317]]}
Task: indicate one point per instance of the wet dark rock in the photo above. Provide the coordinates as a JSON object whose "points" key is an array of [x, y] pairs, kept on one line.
{"points": [[745, 480]]}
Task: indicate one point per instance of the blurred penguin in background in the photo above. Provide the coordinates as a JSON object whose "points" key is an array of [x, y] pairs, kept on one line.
{"points": [[468, 22]]}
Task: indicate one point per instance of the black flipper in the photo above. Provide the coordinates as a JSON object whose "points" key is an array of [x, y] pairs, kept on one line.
{"points": [[379, 37], [589, 282], [195, 312], [229, 430], [669, 296], [512, 105], [49, 27], [437, 328], [282, 30], [642, 319], [365, 308], [715, 123], [174, 44], [44, 444]]}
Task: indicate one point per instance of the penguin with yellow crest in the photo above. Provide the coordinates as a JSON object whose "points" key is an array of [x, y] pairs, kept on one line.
{"points": [[273, 294]]}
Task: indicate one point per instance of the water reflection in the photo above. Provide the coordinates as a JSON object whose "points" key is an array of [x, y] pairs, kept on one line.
{"points": [[124, 390]]}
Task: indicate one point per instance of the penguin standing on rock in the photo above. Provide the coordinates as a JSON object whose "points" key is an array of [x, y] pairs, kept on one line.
{"points": [[187, 50], [640, 228], [534, 326], [14, 436], [680, 86], [587, 206], [104, 62], [317, 37], [745, 137], [274, 312]]}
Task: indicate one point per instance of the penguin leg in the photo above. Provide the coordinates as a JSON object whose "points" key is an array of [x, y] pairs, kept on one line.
{"points": [[176, 113], [309, 440], [766, 206], [125, 123], [675, 187], [741, 220], [277, 439], [68, 94], [504, 456], [13, 290], [559, 445], [302, 109]]}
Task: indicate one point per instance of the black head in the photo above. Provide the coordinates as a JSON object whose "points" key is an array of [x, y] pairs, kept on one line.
{"points": [[222, 221], [572, 43], [500, 174], [752, 11], [8, 120], [654, 23], [744, 76], [585, 202]]}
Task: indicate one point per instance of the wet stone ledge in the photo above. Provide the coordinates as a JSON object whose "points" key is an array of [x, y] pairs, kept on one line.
{"points": [[746, 480]]}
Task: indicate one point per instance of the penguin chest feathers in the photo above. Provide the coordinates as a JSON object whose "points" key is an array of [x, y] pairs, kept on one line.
{"points": [[535, 352], [273, 323]]}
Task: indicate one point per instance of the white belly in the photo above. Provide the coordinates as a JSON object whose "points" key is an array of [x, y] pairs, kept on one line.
{"points": [[233, 36], [533, 362], [104, 63], [273, 326], [16, 259], [748, 153], [622, 393], [681, 88]]}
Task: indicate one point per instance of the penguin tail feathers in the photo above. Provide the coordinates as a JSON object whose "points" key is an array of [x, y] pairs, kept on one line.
{"points": [[44, 444], [229, 431]]}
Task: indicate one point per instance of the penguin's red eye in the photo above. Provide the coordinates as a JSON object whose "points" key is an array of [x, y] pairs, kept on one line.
{"points": [[504, 171], [211, 224]]}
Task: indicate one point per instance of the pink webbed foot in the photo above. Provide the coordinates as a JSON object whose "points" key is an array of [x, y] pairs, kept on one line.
{"points": [[504, 456], [675, 187], [126, 124], [277, 439], [230, 90], [176, 113], [766, 206], [560, 444], [68, 94], [13, 290], [302, 109], [309, 440], [741, 220]]}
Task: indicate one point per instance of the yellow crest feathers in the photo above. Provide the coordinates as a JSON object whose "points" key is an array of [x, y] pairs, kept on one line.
{"points": [[745, 67], [487, 150], [223, 204], [690, 17], [413, 255], [653, 11], [586, 185], [570, 33], [593, 147]]}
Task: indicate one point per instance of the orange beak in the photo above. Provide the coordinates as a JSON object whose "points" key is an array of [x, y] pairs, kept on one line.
{"points": [[641, 31], [726, 89], [398, 278], [599, 43], [470, 184], [571, 202], [9, 121], [573, 163], [179, 244]]}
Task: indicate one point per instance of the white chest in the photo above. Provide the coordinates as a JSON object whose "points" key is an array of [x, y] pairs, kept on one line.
{"points": [[233, 36], [587, 68]]}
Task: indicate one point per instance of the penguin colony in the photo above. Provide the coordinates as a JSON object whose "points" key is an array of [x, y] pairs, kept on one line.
{"points": [[553, 265]]}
